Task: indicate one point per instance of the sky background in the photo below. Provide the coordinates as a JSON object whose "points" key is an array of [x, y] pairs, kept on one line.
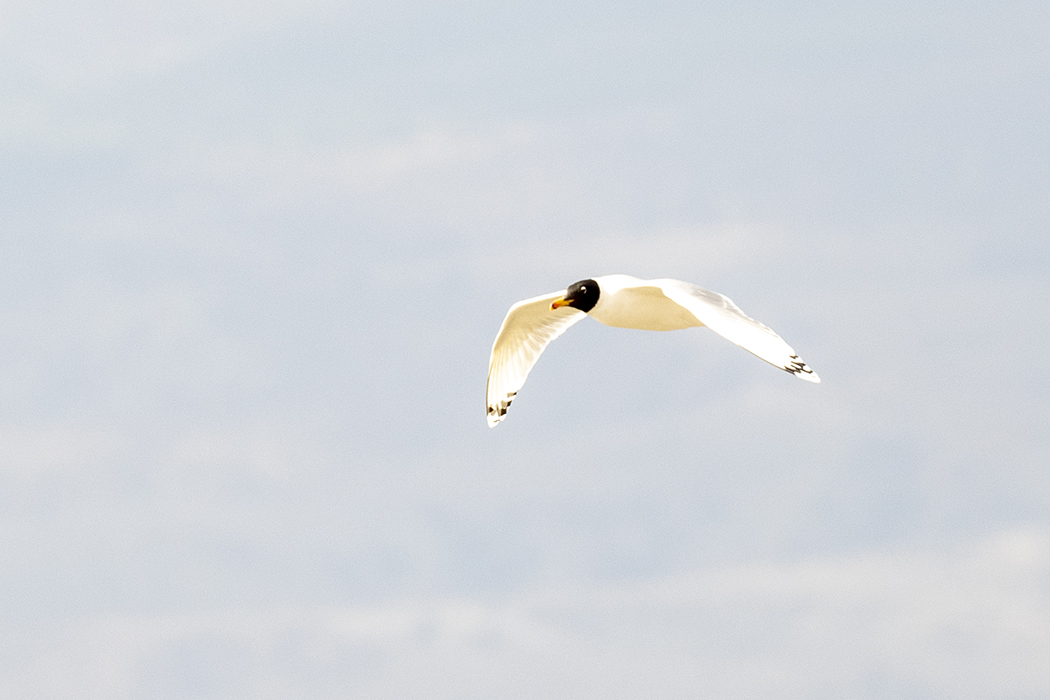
{"points": [[254, 255]]}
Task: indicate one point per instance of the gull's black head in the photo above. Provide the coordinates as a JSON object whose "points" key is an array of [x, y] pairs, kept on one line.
{"points": [[582, 295]]}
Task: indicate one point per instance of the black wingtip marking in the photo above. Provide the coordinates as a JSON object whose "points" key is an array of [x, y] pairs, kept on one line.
{"points": [[797, 366], [500, 409]]}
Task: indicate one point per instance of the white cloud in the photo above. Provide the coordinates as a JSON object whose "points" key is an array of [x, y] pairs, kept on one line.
{"points": [[528, 268], [432, 148], [37, 450], [70, 45], [25, 119], [403, 175], [969, 623]]}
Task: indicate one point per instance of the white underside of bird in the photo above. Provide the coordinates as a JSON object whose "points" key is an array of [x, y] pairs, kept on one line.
{"points": [[622, 301]]}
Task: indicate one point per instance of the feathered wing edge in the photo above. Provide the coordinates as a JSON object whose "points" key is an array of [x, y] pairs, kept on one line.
{"points": [[527, 330], [720, 314]]}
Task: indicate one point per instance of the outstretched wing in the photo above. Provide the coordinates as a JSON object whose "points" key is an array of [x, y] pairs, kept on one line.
{"points": [[720, 314], [527, 330]]}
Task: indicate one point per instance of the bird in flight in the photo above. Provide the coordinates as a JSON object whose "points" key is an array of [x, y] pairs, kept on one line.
{"points": [[622, 301]]}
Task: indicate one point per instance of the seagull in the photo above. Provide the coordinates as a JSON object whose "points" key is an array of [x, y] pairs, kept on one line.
{"points": [[622, 301]]}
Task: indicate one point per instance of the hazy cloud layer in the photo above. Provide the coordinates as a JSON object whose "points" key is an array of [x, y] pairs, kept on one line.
{"points": [[965, 624], [253, 261]]}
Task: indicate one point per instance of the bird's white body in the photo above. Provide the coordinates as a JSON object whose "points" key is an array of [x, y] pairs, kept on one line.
{"points": [[623, 302], [628, 302]]}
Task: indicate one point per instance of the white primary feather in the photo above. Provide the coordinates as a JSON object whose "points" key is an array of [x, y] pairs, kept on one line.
{"points": [[720, 314], [527, 330]]}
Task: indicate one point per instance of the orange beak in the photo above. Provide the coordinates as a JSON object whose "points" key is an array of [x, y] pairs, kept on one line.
{"points": [[558, 303]]}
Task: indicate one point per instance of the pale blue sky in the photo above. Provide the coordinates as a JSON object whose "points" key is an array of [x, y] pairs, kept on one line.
{"points": [[253, 259]]}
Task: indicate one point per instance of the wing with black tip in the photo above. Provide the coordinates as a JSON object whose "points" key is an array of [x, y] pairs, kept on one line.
{"points": [[720, 314], [526, 332]]}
